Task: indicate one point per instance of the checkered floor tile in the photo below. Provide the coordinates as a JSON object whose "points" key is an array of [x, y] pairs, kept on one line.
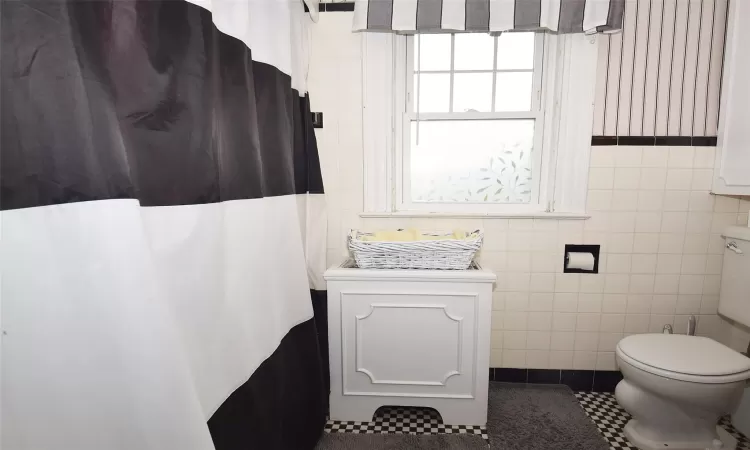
{"points": [[610, 418], [404, 420], [601, 407]]}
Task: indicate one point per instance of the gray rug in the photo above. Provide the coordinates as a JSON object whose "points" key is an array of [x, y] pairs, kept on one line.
{"points": [[350, 441], [539, 417]]}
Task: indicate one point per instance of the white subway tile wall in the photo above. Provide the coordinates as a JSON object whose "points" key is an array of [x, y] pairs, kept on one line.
{"points": [[658, 229]]}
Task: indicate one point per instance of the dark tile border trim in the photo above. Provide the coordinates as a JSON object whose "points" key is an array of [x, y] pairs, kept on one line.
{"points": [[603, 140], [708, 141], [636, 140], [674, 140], [337, 7], [334, 7], [510, 375], [702, 141], [577, 380]]}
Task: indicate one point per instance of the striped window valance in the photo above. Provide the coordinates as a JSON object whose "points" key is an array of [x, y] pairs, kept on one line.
{"points": [[493, 16]]}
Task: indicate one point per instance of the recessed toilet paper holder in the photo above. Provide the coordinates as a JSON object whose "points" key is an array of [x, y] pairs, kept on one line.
{"points": [[575, 248]]}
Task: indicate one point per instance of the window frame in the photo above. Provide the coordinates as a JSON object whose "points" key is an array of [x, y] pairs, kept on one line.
{"points": [[406, 113], [569, 82]]}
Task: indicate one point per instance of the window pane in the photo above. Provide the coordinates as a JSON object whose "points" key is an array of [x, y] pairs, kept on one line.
{"points": [[433, 91], [472, 92], [474, 51], [472, 161], [513, 91], [434, 52], [515, 51]]}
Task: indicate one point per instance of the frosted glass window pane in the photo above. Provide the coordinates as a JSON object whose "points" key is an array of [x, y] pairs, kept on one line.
{"points": [[515, 51], [472, 161], [434, 52], [474, 51], [434, 91], [513, 91], [472, 92]]}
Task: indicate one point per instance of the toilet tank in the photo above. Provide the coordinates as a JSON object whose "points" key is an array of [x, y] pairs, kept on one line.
{"points": [[734, 299]]}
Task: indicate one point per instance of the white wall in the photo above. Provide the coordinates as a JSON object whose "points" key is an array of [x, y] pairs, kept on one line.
{"points": [[651, 213]]}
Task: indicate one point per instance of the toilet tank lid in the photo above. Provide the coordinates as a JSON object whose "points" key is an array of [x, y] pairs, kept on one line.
{"points": [[679, 353], [741, 233]]}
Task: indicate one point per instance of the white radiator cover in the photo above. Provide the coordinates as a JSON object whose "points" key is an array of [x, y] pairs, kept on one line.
{"points": [[409, 338]]}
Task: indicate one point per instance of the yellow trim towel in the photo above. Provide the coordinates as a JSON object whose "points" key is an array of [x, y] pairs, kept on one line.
{"points": [[412, 234]]}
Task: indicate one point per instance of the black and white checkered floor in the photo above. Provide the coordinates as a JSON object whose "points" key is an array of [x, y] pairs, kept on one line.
{"points": [[404, 420], [601, 407], [610, 418]]}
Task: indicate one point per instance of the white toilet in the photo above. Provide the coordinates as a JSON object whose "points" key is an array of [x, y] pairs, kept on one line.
{"points": [[677, 387]]}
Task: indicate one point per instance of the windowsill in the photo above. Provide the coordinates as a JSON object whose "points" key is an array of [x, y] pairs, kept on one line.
{"points": [[525, 215]]}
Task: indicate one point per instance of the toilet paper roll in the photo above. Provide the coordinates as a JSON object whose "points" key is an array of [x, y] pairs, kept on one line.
{"points": [[583, 261]]}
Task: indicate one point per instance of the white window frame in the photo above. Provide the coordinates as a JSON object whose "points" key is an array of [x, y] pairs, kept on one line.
{"points": [[568, 82], [403, 108]]}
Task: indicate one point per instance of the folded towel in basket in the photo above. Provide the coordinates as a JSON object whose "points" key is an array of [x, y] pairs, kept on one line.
{"points": [[393, 236], [412, 234]]}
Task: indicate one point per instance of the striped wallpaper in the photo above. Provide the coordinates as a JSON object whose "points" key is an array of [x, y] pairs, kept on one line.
{"points": [[662, 75]]}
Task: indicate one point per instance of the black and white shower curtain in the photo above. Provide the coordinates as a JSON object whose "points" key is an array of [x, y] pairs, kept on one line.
{"points": [[162, 225]]}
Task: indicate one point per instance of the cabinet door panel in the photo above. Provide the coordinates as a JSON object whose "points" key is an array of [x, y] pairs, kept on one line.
{"points": [[415, 343]]}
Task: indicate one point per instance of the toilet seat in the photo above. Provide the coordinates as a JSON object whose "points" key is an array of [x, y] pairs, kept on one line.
{"points": [[686, 358]]}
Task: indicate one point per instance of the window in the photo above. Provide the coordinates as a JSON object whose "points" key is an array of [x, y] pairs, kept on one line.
{"points": [[472, 122]]}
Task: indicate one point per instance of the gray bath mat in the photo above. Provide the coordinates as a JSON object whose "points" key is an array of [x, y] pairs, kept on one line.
{"points": [[539, 417], [351, 441]]}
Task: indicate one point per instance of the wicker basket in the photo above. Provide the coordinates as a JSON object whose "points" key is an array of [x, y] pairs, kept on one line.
{"points": [[448, 254]]}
